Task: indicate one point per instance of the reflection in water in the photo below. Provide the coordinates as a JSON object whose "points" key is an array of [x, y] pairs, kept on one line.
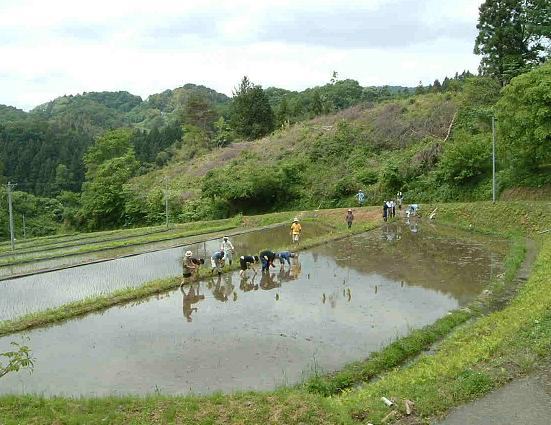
{"points": [[40, 292], [192, 296], [397, 285]]}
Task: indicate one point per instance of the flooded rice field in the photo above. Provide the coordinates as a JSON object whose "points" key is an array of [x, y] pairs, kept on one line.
{"points": [[33, 293], [337, 303]]}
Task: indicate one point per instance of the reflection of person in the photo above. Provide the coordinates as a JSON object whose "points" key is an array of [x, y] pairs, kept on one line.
{"points": [[247, 286], [193, 296], [267, 258], [246, 262], [228, 249], [219, 291], [267, 281], [217, 262], [294, 272], [286, 256], [296, 228], [188, 267], [349, 218]]}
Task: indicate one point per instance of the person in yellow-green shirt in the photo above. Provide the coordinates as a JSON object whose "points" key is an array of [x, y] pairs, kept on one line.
{"points": [[296, 228]]}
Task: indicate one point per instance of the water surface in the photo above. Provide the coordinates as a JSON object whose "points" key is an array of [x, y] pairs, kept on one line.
{"points": [[336, 304]]}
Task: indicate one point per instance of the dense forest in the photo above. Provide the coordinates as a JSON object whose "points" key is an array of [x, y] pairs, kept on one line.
{"points": [[108, 159]]}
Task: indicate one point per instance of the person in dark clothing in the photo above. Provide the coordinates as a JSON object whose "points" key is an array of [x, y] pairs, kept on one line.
{"points": [[385, 211], [267, 258], [246, 262], [349, 218]]}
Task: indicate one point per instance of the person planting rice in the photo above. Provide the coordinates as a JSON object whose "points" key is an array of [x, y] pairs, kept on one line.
{"points": [[286, 256], [247, 262], [189, 267], [217, 262], [296, 228], [267, 258]]}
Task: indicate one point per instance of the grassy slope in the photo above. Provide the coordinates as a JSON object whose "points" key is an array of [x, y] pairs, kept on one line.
{"points": [[380, 132], [472, 361]]}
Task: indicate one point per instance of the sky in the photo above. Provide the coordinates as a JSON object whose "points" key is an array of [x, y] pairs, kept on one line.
{"points": [[58, 47]]}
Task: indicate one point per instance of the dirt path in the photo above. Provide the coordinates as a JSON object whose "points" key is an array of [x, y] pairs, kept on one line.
{"points": [[523, 401]]}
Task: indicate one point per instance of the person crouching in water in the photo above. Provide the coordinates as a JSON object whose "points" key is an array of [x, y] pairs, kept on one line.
{"points": [[349, 218], [189, 268], [247, 262], [286, 256], [267, 259], [296, 228], [228, 249], [217, 262]]}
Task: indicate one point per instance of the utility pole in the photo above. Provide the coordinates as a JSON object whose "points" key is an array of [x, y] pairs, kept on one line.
{"points": [[12, 237], [493, 159]]}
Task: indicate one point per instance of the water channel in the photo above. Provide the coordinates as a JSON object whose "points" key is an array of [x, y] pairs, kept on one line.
{"points": [[37, 292], [336, 304]]}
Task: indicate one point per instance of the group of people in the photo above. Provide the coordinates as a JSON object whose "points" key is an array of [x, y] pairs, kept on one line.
{"points": [[226, 252]]}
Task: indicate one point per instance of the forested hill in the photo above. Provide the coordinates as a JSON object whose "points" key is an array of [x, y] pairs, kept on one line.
{"points": [[105, 160], [43, 150]]}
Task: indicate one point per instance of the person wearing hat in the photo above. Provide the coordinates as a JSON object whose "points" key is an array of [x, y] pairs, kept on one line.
{"points": [[189, 267], [228, 249], [296, 228], [285, 256], [349, 218]]}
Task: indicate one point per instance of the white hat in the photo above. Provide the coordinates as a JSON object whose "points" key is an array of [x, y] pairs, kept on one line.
{"points": [[189, 253], [349, 209], [295, 219]]}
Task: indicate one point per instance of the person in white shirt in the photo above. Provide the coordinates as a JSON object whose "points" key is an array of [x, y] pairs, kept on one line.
{"points": [[228, 249]]}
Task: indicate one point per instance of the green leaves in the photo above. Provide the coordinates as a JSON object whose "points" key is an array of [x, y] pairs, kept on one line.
{"points": [[19, 358], [524, 120]]}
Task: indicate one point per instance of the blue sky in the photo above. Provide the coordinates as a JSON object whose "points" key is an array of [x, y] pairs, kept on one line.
{"points": [[59, 47]]}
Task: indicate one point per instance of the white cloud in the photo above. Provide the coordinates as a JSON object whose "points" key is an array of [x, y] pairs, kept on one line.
{"points": [[60, 47]]}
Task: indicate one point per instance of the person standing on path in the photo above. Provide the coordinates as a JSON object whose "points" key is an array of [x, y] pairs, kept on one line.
{"points": [[296, 228], [385, 210], [188, 268], [349, 218], [228, 249], [217, 262], [361, 197], [392, 208], [400, 199], [267, 258]]}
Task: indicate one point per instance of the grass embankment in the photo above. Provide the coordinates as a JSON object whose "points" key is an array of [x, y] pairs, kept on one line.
{"points": [[192, 229], [333, 218], [472, 361]]}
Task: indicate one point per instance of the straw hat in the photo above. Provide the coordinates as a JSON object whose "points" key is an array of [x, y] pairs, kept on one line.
{"points": [[295, 219], [189, 253]]}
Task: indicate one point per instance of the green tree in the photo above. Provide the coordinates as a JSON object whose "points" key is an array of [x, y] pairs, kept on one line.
{"points": [[251, 114], [19, 358], [110, 163], [524, 120], [512, 36], [222, 133]]}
